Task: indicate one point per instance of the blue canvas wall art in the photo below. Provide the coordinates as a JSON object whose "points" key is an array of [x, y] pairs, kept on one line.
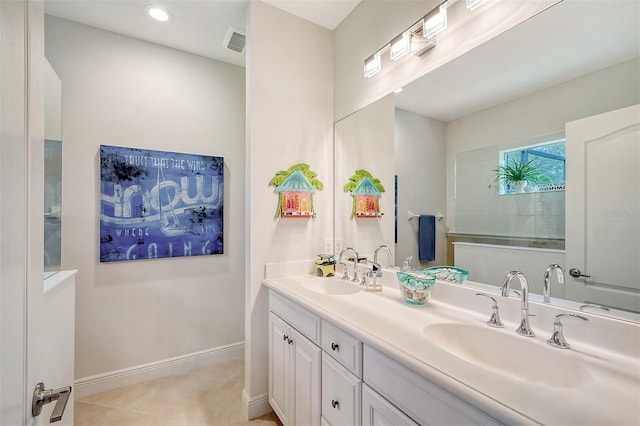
{"points": [[156, 204]]}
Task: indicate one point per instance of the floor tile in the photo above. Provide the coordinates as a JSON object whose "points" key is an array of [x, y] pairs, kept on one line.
{"points": [[209, 396]]}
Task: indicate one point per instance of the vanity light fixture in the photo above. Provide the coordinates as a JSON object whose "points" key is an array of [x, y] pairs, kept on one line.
{"points": [[400, 46], [435, 22], [474, 4], [420, 45], [417, 39], [158, 13], [372, 65]]}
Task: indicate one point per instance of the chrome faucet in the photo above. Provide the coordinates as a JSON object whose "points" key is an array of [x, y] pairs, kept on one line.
{"points": [[494, 321], [375, 257], [355, 265], [547, 280], [524, 328], [557, 339]]}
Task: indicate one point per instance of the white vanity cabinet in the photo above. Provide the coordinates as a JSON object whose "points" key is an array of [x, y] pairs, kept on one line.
{"points": [[320, 374], [294, 363], [422, 400]]}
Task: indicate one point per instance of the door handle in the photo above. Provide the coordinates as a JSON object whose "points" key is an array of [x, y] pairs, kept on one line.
{"points": [[576, 273], [42, 397]]}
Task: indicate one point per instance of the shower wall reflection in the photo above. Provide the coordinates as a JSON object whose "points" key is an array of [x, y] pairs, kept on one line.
{"points": [[52, 205], [52, 172]]}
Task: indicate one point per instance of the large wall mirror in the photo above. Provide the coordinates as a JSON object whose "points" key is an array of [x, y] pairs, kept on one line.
{"points": [[509, 98]]}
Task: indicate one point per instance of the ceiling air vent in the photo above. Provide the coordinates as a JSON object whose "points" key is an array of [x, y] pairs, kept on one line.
{"points": [[235, 40]]}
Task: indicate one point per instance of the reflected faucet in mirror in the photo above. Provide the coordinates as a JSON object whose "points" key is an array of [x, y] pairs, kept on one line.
{"points": [[375, 258], [547, 280], [524, 329]]}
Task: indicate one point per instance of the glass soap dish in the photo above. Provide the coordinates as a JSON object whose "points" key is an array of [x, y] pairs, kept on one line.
{"points": [[415, 287], [449, 273]]}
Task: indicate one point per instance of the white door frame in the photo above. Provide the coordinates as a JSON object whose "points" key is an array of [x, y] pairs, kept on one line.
{"points": [[21, 207]]}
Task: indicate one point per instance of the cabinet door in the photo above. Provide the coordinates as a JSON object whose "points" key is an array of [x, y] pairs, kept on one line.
{"points": [[306, 380], [279, 368], [341, 394], [377, 411]]}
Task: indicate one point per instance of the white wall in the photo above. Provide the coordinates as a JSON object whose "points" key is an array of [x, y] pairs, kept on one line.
{"points": [[364, 140], [374, 23], [289, 121], [524, 121], [420, 154], [122, 91]]}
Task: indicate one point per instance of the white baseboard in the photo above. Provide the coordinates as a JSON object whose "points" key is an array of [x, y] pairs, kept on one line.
{"points": [[256, 406], [128, 376]]}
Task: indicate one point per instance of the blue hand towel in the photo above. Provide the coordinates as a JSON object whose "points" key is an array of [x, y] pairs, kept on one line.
{"points": [[427, 238]]}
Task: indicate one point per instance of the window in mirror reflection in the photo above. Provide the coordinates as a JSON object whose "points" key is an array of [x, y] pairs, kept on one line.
{"points": [[544, 164]]}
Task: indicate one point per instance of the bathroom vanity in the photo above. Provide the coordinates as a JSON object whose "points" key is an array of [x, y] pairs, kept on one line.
{"points": [[343, 356]]}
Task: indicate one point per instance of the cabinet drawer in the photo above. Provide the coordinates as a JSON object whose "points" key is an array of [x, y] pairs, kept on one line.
{"points": [[342, 346], [423, 401], [302, 320], [341, 394]]}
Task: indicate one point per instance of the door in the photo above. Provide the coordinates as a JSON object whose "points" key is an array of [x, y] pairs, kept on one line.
{"points": [[341, 394], [306, 380], [603, 208], [279, 369], [21, 207]]}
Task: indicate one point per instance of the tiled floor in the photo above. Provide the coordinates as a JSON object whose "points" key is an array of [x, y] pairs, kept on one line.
{"points": [[209, 396]]}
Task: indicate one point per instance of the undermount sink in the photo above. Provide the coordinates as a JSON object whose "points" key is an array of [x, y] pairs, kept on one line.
{"points": [[513, 356], [332, 286]]}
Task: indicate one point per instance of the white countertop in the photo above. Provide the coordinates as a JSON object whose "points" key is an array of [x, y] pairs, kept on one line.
{"points": [[610, 396]]}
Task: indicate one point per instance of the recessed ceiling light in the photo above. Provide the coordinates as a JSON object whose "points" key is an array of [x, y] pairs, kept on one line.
{"points": [[158, 13]]}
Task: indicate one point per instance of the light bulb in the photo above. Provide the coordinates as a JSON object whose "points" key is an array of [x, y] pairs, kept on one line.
{"points": [[158, 14]]}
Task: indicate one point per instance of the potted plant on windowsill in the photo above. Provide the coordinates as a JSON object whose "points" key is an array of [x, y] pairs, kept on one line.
{"points": [[518, 174]]}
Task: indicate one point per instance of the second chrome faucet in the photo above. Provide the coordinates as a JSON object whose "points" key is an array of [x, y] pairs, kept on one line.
{"points": [[524, 329]]}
